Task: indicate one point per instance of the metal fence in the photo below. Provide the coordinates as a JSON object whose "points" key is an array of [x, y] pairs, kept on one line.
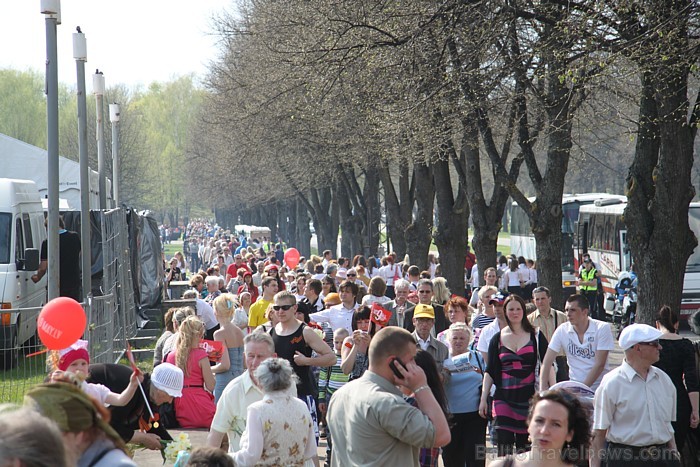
{"points": [[117, 273], [111, 318]]}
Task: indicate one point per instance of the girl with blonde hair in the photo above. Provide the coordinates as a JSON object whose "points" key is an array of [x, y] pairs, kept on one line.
{"points": [[195, 409], [230, 335]]}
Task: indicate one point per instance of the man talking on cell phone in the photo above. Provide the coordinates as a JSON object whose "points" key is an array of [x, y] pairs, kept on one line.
{"points": [[373, 424]]}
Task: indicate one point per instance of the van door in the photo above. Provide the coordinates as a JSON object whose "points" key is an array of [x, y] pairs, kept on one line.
{"points": [[30, 295]]}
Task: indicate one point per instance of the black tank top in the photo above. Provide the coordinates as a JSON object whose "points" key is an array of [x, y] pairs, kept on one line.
{"points": [[286, 347]]}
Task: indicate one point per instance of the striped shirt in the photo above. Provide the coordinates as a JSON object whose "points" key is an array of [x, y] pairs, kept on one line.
{"points": [[330, 380]]}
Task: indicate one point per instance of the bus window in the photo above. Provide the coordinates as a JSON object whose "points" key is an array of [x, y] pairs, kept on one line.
{"points": [[693, 264]]}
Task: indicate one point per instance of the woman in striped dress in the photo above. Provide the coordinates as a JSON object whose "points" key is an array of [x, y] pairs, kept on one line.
{"points": [[514, 357]]}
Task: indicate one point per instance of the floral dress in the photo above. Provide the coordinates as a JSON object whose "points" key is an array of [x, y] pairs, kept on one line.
{"points": [[278, 432]]}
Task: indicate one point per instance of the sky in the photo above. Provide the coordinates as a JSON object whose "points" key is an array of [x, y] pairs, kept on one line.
{"points": [[133, 42]]}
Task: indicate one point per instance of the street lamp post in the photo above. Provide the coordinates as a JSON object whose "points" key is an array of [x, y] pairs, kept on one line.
{"points": [[98, 88], [114, 118], [80, 56], [52, 11]]}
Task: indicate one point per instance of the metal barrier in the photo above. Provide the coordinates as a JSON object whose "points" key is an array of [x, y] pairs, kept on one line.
{"points": [[23, 365], [111, 319], [19, 372], [117, 271]]}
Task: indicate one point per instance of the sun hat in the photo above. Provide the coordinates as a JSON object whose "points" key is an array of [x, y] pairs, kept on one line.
{"points": [[424, 311], [168, 378], [636, 333]]}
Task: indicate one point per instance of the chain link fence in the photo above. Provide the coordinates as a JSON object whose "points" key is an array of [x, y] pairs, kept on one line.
{"points": [[111, 318]]}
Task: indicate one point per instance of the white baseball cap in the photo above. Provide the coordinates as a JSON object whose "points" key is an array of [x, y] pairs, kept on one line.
{"points": [[169, 379]]}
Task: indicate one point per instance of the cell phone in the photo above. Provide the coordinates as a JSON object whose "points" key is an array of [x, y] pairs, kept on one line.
{"points": [[393, 365]]}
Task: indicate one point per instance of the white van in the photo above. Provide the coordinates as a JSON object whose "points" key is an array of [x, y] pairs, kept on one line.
{"points": [[21, 233]]}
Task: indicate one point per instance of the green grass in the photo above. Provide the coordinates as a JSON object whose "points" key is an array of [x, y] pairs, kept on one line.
{"points": [[16, 382], [172, 248]]}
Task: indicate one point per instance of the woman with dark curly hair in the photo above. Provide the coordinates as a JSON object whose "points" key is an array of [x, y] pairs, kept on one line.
{"points": [[560, 430]]}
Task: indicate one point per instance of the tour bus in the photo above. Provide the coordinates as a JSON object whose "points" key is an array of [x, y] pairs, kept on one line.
{"points": [[603, 234], [522, 240]]}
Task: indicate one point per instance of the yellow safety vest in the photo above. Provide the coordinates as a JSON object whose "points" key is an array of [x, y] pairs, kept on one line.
{"points": [[588, 276]]}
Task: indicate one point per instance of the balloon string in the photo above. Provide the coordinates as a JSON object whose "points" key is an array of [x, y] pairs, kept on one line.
{"points": [[143, 393], [34, 354]]}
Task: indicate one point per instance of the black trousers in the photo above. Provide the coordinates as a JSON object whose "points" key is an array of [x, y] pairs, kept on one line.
{"points": [[468, 444], [592, 297], [506, 439]]}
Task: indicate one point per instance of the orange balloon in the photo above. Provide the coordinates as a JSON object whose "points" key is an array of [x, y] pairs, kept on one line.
{"points": [[291, 257], [61, 323]]}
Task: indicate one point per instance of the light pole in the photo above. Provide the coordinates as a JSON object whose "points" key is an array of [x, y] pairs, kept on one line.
{"points": [[98, 88], [52, 11], [80, 56], [114, 118]]}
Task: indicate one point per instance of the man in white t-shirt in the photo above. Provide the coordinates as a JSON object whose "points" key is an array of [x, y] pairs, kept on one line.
{"points": [[586, 342]]}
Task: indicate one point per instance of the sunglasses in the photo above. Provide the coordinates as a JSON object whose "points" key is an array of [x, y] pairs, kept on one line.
{"points": [[281, 307], [651, 344], [352, 275]]}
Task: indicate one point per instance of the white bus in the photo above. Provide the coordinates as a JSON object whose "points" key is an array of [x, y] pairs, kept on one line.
{"points": [[603, 235], [522, 240]]}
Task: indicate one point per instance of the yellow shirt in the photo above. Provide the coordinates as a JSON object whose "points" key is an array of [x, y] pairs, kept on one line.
{"points": [[256, 316]]}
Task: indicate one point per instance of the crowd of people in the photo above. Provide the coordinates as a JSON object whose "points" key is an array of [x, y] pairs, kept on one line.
{"points": [[379, 359]]}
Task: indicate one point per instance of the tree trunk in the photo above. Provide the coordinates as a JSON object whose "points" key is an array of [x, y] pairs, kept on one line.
{"points": [[321, 203], [291, 212], [452, 224], [371, 196], [347, 222], [659, 189], [419, 232], [282, 220], [398, 206], [547, 212], [303, 237], [486, 218]]}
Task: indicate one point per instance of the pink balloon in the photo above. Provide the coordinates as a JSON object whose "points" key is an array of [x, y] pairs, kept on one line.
{"points": [[61, 323], [291, 257]]}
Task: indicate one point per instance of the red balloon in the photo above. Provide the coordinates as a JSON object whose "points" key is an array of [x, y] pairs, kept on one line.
{"points": [[61, 323], [291, 257]]}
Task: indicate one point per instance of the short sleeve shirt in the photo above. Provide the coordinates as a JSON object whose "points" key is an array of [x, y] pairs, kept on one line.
{"points": [[373, 425], [643, 419], [581, 355], [256, 316], [487, 333], [232, 409]]}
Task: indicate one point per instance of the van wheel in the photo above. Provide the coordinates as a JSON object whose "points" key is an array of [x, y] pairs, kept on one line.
{"points": [[9, 355]]}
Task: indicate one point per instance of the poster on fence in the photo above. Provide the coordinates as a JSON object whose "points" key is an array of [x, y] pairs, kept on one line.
{"points": [[214, 349]]}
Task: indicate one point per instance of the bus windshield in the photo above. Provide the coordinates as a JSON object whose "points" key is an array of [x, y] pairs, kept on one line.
{"points": [[5, 237]]}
